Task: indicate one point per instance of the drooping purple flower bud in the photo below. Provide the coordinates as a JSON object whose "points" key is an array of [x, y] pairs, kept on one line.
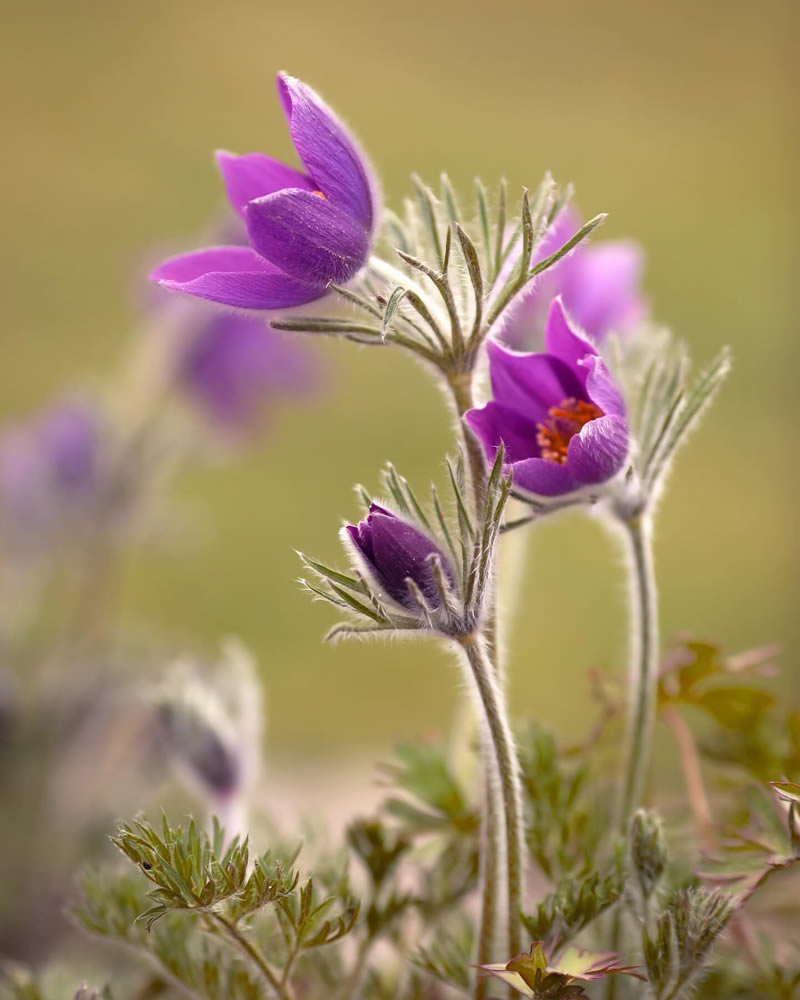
{"points": [[212, 760], [212, 727], [394, 552], [305, 229], [558, 413], [599, 284]]}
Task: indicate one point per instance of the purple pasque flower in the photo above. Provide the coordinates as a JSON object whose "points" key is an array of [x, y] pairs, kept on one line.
{"points": [[49, 466], [558, 413], [599, 284], [304, 228], [394, 552], [233, 366]]}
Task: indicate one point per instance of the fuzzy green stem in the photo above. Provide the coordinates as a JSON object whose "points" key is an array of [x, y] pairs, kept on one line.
{"points": [[489, 876], [643, 678], [505, 763], [460, 385], [642, 685]]}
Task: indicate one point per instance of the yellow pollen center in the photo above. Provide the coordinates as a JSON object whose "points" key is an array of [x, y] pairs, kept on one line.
{"points": [[554, 435], [319, 194]]}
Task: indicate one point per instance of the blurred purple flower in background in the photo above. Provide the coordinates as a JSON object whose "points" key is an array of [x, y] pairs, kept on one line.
{"points": [[304, 230], [394, 551], [558, 413], [233, 367], [49, 466], [599, 284]]}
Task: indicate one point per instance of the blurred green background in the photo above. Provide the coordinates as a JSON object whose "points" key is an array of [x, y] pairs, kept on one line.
{"points": [[678, 119]]}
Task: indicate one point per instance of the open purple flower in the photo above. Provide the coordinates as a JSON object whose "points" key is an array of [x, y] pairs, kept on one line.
{"points": [[394, 551], [558, 413], [305, 229], [233, 367], [599, 285]]}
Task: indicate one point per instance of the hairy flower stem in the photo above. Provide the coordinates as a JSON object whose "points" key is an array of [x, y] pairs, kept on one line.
{"points": [[251, 954], [644, 665], [490, 850], [491, 834], [505, 763], [642, 684]]}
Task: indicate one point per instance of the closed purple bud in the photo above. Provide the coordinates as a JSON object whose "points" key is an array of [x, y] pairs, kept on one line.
{"points": [[396, 551], [212, 760]]}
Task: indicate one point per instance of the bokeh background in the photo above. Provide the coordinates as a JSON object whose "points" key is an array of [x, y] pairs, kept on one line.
{"points": [[678, 119]]}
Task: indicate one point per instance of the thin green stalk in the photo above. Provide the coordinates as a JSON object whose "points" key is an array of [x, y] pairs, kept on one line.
{"points": [[491, 828], [505, 762], [643, 666], [489, 872], [491, 821], [642, 685], [241, 942]]}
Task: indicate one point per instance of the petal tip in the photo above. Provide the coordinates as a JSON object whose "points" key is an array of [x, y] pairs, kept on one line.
{"points": [[557, 308]]}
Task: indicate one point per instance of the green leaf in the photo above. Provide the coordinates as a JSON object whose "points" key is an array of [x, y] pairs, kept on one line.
{"points": [[576, 901], [787, 791], [397, 296], [448, 956], [326, 573], [483, 216], [427, 206]]}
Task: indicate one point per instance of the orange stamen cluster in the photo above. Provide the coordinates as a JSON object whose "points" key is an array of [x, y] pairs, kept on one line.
{"points": [[320, 194], [565, 422]]}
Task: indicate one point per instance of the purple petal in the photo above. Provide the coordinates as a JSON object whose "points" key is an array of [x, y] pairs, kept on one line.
{"points": [[522, 319], [329, 152], [531, 383], [525, 317], [600, 387], [188, 266], [599, 451], [545, 478], [361, 537], [561, 340], [306, 236], [401, 551], [602, 290], [375, 508], [494, 424], [254, 175], [234, 276]]}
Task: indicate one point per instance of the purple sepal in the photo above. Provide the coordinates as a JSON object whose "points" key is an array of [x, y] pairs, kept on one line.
{"points": [[234, 276], [395, 551], [305, 230], [528, 387], [306, 236]]}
